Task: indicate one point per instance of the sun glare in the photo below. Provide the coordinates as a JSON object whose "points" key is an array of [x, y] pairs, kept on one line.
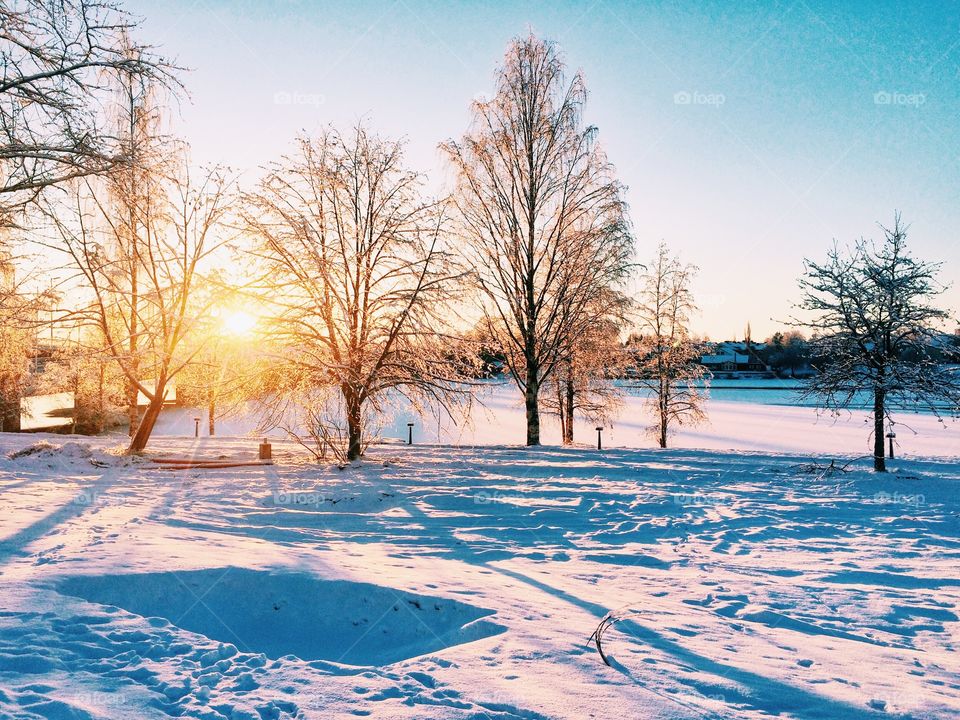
{"points": [[239, 323]]}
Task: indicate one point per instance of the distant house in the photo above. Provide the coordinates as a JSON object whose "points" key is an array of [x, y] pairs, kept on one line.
{"points": [[728, 347], [733, 362]]}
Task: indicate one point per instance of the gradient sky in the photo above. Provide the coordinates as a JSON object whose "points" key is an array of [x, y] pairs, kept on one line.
{"points": [[784, 146]]}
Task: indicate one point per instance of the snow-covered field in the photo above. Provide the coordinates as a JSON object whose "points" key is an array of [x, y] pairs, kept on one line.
{"points": [[465, 581]]}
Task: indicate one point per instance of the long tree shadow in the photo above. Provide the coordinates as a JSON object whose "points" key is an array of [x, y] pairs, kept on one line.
{"points": [[764, 694], [86, 496]]}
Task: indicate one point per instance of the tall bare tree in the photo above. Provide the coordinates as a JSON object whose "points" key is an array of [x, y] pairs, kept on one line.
{"points": [[358, 280], [877, 330], [668, 368], [176, 241], [541, 213], [133, 208], [59, 59]]}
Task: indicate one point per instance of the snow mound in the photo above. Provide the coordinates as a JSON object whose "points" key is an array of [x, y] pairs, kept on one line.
{"points": [[284, 613], [70, 453], [45, 449]]}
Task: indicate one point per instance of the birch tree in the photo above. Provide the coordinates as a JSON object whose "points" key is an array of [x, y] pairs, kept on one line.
{"points": [[541, 213], [131, 205], [668, 369], [358, 284], [872, 307]]}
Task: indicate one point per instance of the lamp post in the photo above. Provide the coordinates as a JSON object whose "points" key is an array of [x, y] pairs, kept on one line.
{"points": [[196, 427], [890, 436], [599, 441], [409, 433]]}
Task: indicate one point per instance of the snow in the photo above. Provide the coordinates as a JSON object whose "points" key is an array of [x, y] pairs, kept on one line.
{"points": [[464, 581]]}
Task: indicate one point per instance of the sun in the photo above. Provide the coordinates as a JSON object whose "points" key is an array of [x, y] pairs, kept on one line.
{"points": [[239, 323]]}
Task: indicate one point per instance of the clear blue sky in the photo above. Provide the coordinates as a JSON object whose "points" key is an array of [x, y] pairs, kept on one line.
{"points": [[784, 145]]}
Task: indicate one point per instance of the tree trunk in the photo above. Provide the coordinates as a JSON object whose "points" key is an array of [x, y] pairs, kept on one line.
{"points": [[879, 462], [133, 407], [568, 409], [76, 406], [354, 424], [664, 412], [211, 414], [531, 397], [149, 419], [101, 419], [562, 412]]}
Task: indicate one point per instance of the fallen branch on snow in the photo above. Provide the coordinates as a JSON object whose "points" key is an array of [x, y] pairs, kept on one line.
{"points": [[825, 471]]}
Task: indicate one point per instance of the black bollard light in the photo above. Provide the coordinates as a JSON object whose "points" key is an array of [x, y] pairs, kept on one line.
{"points": [[890, 436], [599, 441], [196, 427], [409, 433]]}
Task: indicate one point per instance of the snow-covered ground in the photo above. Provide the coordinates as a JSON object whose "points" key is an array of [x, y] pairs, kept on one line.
{"points": [[465, 581]]}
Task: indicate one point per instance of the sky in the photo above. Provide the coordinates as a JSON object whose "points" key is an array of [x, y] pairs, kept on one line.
{"points": [[749, 135]]}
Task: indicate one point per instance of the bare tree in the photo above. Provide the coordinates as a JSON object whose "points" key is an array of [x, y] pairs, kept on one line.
{"points": [[592, 358], [788, 351], [133, 207], [359, 283], [215, 381], [871, 306], [177, 237], [59, 58], [669, 368], [221, 374], [542, 215]]}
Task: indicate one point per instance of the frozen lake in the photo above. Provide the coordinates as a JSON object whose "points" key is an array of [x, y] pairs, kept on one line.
{"points": [[738, 419]]}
